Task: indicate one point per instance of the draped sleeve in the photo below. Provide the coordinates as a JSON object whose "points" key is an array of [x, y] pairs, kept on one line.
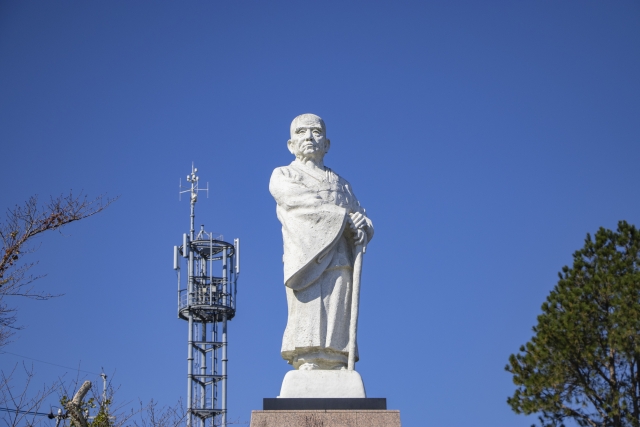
{"points": [[310, 227]]}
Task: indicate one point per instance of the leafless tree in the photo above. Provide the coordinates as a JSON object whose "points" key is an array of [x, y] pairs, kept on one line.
{"points": [[167, 416], [21, 405], [90, 406], [21, 225], [171, 416]]}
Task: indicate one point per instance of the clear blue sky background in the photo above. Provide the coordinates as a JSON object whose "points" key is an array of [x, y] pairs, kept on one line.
{"points": [[485, 140]]}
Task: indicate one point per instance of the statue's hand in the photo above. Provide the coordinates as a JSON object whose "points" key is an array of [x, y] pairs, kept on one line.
{"points": [[357, 223]]}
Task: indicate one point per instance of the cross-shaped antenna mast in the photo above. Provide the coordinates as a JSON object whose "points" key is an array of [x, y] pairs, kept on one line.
{"points": [[193, 179]]}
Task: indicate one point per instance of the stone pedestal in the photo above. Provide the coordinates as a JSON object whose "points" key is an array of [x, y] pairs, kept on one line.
{"points": [[326, 418], [322, 383]]}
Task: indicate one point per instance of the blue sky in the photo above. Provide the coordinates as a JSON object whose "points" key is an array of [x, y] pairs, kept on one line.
{"points": [[485, 139]]}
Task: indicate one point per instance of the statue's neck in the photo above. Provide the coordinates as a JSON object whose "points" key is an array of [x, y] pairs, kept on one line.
{"points": [[311, 163]]}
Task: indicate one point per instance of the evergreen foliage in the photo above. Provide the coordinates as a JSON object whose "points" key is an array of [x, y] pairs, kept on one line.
{"points": [[583, 362]]}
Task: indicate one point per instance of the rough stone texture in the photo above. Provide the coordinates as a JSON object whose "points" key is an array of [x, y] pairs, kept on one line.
{"points": [[325, 419], [322, 383], [322, 222]]}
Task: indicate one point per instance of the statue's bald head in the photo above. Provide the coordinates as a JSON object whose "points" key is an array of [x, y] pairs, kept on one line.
{"points": [[307, 119], [308, 138]]}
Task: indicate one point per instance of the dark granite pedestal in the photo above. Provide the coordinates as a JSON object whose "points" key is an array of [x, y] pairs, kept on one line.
{"points": [[325, 412], [323, 403]]}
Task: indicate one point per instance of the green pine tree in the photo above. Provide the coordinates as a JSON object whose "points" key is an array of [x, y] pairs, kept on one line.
{"points": [[583, 362]]}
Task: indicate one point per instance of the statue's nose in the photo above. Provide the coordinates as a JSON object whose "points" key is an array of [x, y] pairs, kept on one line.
{"points": [[307, 134]]}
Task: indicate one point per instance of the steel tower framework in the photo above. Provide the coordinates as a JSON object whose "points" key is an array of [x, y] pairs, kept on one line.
{"points": [[207, 301]]}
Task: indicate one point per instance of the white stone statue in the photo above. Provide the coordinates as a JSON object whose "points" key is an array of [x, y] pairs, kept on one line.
{"points": [[322, 225]]}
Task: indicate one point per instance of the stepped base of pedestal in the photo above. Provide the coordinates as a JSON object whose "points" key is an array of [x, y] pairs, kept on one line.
{"points": [[326, 418]]}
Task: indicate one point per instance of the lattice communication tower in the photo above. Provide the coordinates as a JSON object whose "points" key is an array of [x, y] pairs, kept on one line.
{"points": [[207, 300]]}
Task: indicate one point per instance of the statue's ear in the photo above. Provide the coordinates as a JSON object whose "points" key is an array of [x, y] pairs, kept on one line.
{"points": [[290, 147], [327, 145]]}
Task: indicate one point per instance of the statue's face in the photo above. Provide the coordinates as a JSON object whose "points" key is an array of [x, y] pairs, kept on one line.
{"points": [[308, 138]]}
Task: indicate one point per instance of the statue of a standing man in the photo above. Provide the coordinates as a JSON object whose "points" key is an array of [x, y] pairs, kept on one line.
{"points": [[322, 223]]}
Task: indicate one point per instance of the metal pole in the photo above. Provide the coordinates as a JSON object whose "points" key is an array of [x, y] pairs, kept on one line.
{"points": [[190, 372], [224, 338], [190, 271], [211, 269], [224, 370], [104, 387], [58, 417], [214, 365], [178, 292], [224, 277], [213, 325], [203, 369], [194, 198]]}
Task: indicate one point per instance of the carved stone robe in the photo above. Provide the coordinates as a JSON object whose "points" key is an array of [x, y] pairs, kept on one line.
{"points": [[318, 261]]}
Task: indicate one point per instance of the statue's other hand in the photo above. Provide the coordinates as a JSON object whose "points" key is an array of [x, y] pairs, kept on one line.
{"points": [[357, 222]]}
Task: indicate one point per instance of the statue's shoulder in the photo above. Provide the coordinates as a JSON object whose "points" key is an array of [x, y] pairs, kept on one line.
{"points": [[286, 172], [285, 180]]}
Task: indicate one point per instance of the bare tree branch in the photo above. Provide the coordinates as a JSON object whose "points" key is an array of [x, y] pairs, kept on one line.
{"points": [[21, 225], [23, 403]]}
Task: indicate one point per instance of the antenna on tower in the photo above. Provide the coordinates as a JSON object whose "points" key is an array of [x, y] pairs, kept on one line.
{"points": [[193, 189], [207, 300], [193, 179]]}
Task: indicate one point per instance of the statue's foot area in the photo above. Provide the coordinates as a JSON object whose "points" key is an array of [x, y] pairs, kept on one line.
{"points": [[320, 359], [328, 367], [309, 366], [322, 383]]}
